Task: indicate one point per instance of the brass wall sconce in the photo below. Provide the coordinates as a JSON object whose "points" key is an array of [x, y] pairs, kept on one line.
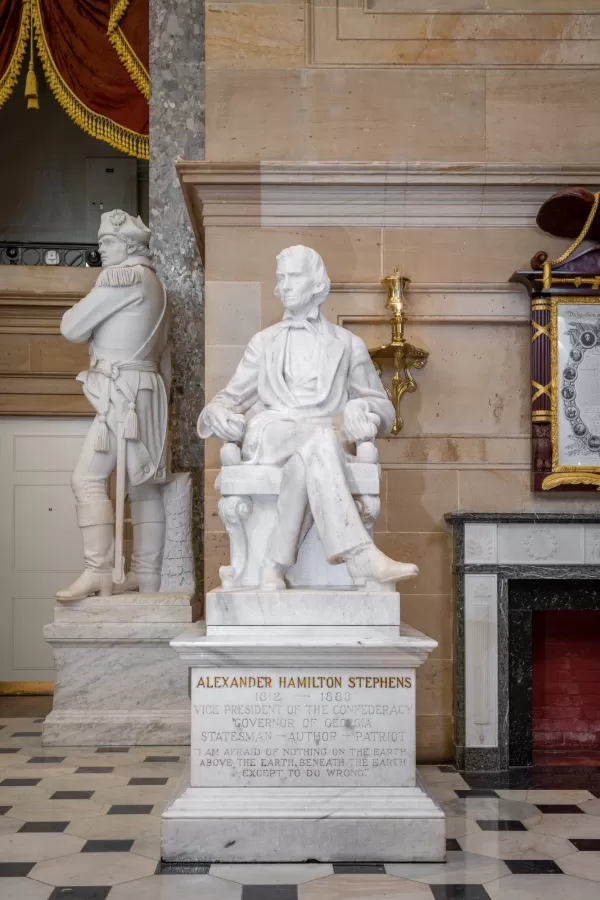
{"points": [[405, 356]]}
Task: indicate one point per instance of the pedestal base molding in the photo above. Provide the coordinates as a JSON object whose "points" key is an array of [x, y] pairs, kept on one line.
{"points": [[299, 824]]}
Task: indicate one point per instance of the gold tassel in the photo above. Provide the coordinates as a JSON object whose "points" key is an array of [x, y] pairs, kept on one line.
{"points": [[131, 428], [31, 87], [101, 442]]}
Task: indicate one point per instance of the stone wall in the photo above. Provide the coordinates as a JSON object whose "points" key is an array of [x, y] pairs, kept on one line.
{"points": [[364, 81]]}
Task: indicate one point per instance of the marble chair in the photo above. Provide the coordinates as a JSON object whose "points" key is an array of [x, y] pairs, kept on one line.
{"points": [[247, 509]]}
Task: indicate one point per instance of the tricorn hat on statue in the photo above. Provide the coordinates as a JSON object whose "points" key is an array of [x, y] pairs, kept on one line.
{"points": [[566, 213], [125, 227]]}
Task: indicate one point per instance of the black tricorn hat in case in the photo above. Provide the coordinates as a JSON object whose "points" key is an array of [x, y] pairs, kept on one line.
{"points": [[565, 214]]}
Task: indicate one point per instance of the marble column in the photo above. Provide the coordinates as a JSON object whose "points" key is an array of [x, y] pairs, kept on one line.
{"points": [[177, 132]]}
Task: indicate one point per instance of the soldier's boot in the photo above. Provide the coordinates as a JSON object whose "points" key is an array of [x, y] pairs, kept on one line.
{"points": [[96, 521], [148, 521]]}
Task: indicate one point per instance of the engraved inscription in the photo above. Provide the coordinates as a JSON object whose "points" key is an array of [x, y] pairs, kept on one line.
{"points": [[303, 728]]}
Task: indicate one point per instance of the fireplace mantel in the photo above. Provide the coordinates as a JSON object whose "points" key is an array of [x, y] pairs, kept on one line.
{"points": [[490, 550]]}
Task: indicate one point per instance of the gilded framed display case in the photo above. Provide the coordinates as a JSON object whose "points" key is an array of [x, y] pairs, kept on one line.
{"points": [[565, 354]]}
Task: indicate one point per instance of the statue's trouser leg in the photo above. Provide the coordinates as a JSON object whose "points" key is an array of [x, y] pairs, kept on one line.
{"points": [[336, 517], [148, 521], [316, 474], [292, 504]]}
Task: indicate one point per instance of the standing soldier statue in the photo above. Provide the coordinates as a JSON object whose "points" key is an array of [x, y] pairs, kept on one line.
{"points": [[125, 318]]}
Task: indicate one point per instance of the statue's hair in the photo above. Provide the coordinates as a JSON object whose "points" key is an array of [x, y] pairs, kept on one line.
{"points": [[316, 267], [134, 248]]}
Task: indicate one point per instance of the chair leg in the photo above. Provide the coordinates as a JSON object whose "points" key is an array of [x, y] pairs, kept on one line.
{"points": [[234, 510]]}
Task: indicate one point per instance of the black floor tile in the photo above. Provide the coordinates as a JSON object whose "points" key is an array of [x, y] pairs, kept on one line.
{"points": [[182, 869], [359, 869], [9, 749], [107, 847], [500, 825], [19, 782], [26, 734], [41, 827], [459, 892], [46, 759], [477, 792], [270, 892], [79, 893], [130, 810], [567, 809], [147, 781], [533, 867], [161, 759], [112, 749], [15, 870], [72, 795], [586, 844], [4, 810], [452, 844], [94, 770]]}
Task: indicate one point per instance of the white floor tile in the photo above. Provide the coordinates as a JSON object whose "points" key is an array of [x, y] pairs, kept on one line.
{"points": [[93, 869], [460, 868], [271, 874]]}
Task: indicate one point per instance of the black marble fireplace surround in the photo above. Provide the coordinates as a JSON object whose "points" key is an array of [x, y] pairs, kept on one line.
{"points": [[524, 598], [522, 588]]}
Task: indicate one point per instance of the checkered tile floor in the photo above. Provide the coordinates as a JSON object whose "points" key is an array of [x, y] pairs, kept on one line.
{"points": [[83, 824]]}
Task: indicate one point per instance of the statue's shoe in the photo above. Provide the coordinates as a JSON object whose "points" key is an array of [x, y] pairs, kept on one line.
{"points": [[89, 582], [147, 584], [370, 567]]}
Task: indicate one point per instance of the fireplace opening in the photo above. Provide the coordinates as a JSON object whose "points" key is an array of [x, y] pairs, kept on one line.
{"points": [[566, 687]]}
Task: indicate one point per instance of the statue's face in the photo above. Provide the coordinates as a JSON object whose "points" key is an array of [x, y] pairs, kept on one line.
{"points": [[295, 283], [113, 252]]}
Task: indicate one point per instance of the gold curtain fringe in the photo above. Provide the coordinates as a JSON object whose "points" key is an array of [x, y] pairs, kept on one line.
{"points": [[119, 137], [13, 70], [131, 62], [117, 12]]}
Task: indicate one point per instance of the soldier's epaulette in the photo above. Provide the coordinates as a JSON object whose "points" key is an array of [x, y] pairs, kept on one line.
{"points": [[119, 276]]}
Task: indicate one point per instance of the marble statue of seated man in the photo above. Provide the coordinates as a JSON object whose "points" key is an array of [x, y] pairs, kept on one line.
{"points": [[301, 386]]}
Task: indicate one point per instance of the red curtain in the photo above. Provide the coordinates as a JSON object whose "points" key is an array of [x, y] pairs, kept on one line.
{"points": [[14, 31], [94, 54]]}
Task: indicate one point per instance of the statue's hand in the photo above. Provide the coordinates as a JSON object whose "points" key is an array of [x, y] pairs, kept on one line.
{"points": [[224, 423], [360, 424]]}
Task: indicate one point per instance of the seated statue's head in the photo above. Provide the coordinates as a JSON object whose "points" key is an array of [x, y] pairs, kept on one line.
{"points": [[121, 236], [302, 279]]}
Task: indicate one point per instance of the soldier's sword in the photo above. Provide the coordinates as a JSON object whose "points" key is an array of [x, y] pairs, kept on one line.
{"points": [[118, 575]]}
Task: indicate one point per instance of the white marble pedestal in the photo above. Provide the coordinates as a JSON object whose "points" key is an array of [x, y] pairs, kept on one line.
{"points": [[303, 744], [117, 680]]}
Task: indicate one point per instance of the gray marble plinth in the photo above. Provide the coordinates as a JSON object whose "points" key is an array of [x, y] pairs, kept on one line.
{"points": [[117, 681]]}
